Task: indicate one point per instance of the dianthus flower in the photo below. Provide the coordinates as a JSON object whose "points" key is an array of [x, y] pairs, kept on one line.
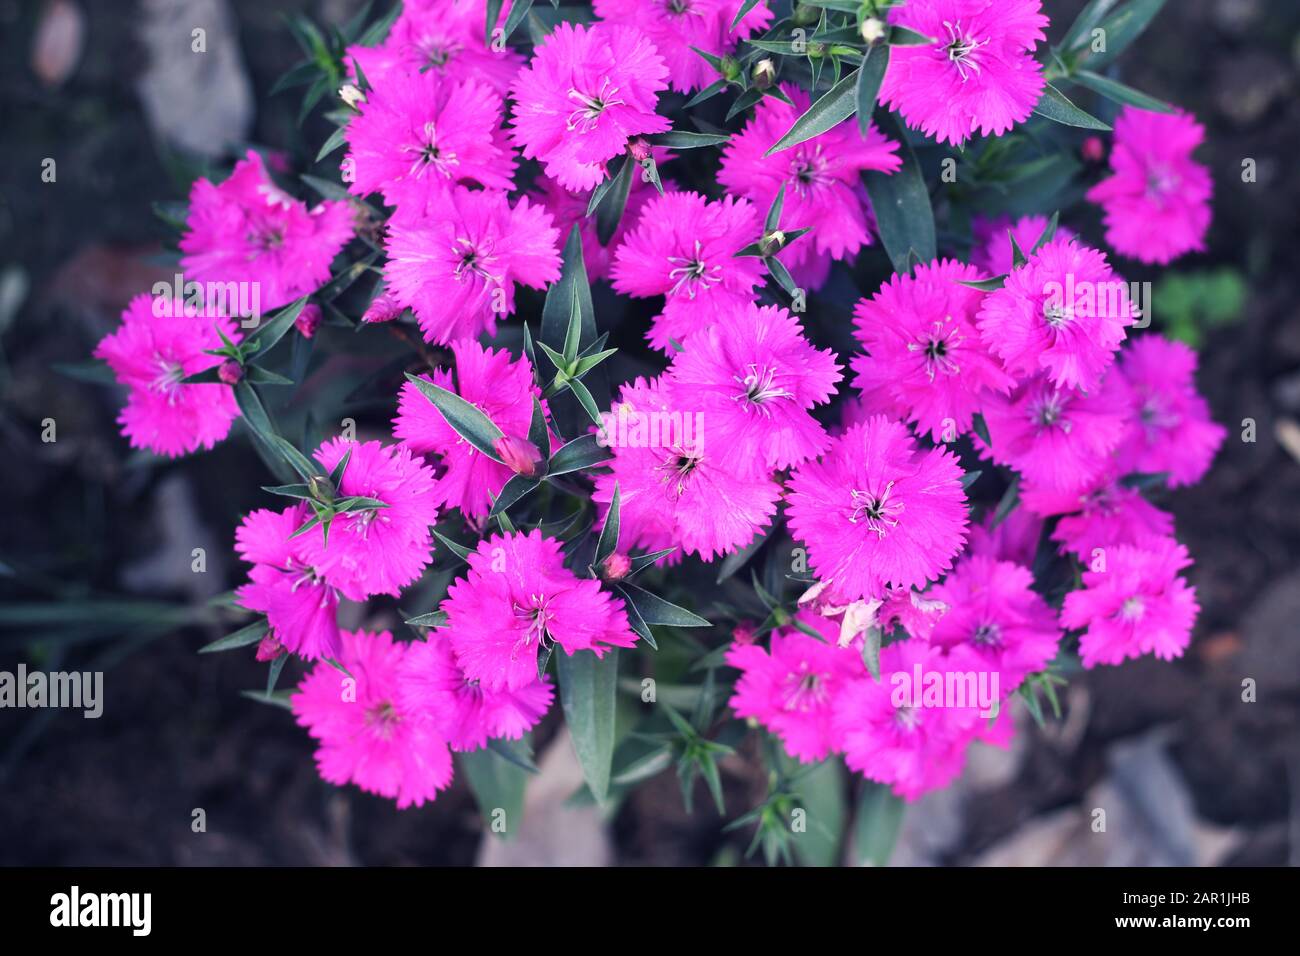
{"points": [[992, 253]]}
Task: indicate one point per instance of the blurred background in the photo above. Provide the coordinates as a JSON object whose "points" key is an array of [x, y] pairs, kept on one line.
{"points": [[96, 542]]}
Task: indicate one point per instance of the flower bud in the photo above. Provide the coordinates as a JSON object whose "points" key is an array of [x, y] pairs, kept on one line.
{"points": [[230, 372], [615, 567], [805, 15], [764, 73], [269, 648], [639, 149], [519, 455], [772, 243], [1093, 149], [730, 69], [308, 320], [872, 29], [351, 95], [321, 488]]}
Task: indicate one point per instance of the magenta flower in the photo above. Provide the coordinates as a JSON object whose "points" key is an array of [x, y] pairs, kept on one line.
{"points": [[300, 607], [993, 611], [822, 178], [683, 248], [1014, 539], [1057, 438], [456, 266], [979, 74], [1171, 429], [444, 38], [924, 349], [1156, 205], [249, 230], [1064, 311], [159, 343], [1102, 514], [877, 511], [568, 209], [675, 26], [678, 489], [517, 598], [753, 376], [466, 713], [888, 738], [586, 92], [367, 737], [416, 134], [502, 389], [992, 253], [792, 689], [1137, 605], [375, 550]]}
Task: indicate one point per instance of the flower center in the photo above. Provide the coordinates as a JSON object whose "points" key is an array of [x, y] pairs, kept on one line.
{"points": [[534, 619], [907, 717], [803, 690], [1162, 182], [938, 345], [1132, 609], [438, 51], [807, 171], [680, 6], [760, 388], [168, 379], [961, 49], [678, 468], [692, 273], [585, 117], [429, 153], [1056, 314], [988, 634], [876, 511], [383, 717], [1048, 412], [475, 259]]}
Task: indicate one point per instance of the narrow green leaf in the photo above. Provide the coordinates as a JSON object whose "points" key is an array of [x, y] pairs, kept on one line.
{"points": [[432, 619], [467, 420], [610, 212], [773, 221], [879, 816], [901, 202], [870, 75], [684, 139], [607, 544], [459, 550], [498, 787], [588, 688], [582, 452], [1120, 29], [1119, 93], [655, 610], [251, 634], [271, 330], [832, 108], [514, 490], [740, 14], [1055, 106]]}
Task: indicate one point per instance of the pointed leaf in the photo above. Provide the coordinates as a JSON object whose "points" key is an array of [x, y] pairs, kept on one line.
{"points": [[588, 689], [468, 421], [832, 108]]}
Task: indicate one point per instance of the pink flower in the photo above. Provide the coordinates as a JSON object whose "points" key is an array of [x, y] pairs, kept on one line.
{"points": [[992, 253], [920, 333], [466, 713], [417, 134], [376, 550], [1057, 438], [994, 612], [1171, 429], [300, 607], [979, 74], [456, 266], [675, 26], [585, 93], [499, 387], [753, 376], [160, 342], [877, 511], [249, 230], [890, 733], [1063, 312], [1102, 514], [1137, 605], [1157, 204], [822, 177], [676, 488], [519, 597], [444, 38], [791, 690], [366, 735], [684, 247]]}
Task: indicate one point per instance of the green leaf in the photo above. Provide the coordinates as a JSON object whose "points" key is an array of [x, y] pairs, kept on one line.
{"points": [[740, 14], [498, 787], [708, 93], [871, 652], [516, 489], [251, 634], [821, 796], [94, 372], [1121, 29], [980, 428], [870, 75], [300, 491], [832, 108], [610, 212], [902, 36], [638, 623], [273, 675], [271, 330], [985, 285], [493, 14], [683, 139], [585, 399], [607, 544], [1010, 498], [518, 10], [970, 478], [901, 202], [280, 698], [1054, 105], [336, 139], [1119, 93], [432, 619], [777, 270], [517, 752], [1081, 30], [1049, 231], [566, 414], [459, 550], [588, 688], [538, 433], [467, 420], [738, 559], [773, 221], [655, 610], [582, 452], [642, 561], [875, 831]]}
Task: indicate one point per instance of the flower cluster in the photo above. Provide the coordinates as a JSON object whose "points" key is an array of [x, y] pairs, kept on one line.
{"points": [[854, 446]]}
